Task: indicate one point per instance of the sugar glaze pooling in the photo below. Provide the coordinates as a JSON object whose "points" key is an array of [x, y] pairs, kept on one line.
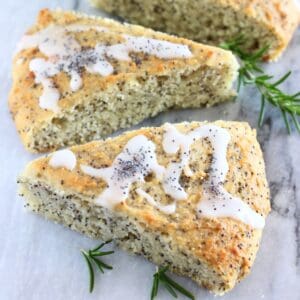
{"points": [[65, 54], [167, 209], [138, 159], [63, 159], [133, 164], [215, 200]]}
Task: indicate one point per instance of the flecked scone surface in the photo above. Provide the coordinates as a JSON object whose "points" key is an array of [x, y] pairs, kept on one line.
{"points": [[268, 22], [137, 89], [216, 253]]}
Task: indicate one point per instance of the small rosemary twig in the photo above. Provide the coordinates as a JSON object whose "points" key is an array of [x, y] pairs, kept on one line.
{"points": [[172, 286], [250, 73], [91, 258]]}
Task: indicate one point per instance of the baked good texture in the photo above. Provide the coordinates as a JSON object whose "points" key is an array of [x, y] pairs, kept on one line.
{"points": [[192, 195], [78, 78], [262, 23]]}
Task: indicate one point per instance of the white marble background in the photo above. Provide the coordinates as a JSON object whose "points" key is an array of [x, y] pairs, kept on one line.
{"points": [[41, 260]]}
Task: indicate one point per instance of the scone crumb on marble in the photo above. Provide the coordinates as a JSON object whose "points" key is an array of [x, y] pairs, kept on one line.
{"points": [[192, 195]]}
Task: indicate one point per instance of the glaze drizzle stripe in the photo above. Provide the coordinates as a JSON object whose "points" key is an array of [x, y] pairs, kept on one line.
{"points": [[65, 54], [63, 159], [138, 159], [215, 200], [167, 209]]}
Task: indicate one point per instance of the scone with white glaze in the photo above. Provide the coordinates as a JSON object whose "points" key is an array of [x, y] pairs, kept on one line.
{"points": [[261, 22], [192, 195], [78, 78]]}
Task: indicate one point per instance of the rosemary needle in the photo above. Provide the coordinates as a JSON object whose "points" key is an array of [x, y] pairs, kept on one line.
{"points": [[172, 286], [91, 271], [250, 73], [91, 258]]}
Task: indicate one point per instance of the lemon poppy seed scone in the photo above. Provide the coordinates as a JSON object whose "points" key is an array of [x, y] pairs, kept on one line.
{"points": [[262, 23], [193, 196], [78, 78]]}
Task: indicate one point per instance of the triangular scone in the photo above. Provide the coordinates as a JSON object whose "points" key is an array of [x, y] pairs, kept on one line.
{"points": [[78, 78], [261, 23], [193, 196]]}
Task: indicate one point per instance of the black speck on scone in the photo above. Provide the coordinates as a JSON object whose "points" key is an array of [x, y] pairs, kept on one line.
{"points": [[215, 252], [140, 88]]}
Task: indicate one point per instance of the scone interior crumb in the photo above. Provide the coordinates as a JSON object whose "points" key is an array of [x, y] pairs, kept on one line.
{"points": [[140, 86], [98, 115], [216, 252], [261, 23]]}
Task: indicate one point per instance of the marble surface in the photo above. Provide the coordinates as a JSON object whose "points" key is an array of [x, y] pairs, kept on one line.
{"points": [[41, 260]]}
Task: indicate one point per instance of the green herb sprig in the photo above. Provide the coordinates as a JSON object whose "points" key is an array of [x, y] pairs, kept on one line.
{"points": [[92, 259], [251, 73], [161, 277]]}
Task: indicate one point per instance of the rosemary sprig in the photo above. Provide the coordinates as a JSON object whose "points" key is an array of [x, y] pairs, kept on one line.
{"points": [[251, 73], [91, 258], [161, 277]]}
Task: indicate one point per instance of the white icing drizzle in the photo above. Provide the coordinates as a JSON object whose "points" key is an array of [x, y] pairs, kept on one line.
{"points": [[65, 54], [136, 161], [167, 209], [159, 48], [172, 141], [63, 159], [215, 201], [54, 39]]}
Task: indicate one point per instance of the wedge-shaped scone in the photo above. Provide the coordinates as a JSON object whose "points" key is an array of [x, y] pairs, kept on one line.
{"points": [[78, 78], [261, 22], [193, 196]]}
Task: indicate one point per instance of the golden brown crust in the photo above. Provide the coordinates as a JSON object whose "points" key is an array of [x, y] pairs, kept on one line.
{"points": [[226, 245], [23, 99]]}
